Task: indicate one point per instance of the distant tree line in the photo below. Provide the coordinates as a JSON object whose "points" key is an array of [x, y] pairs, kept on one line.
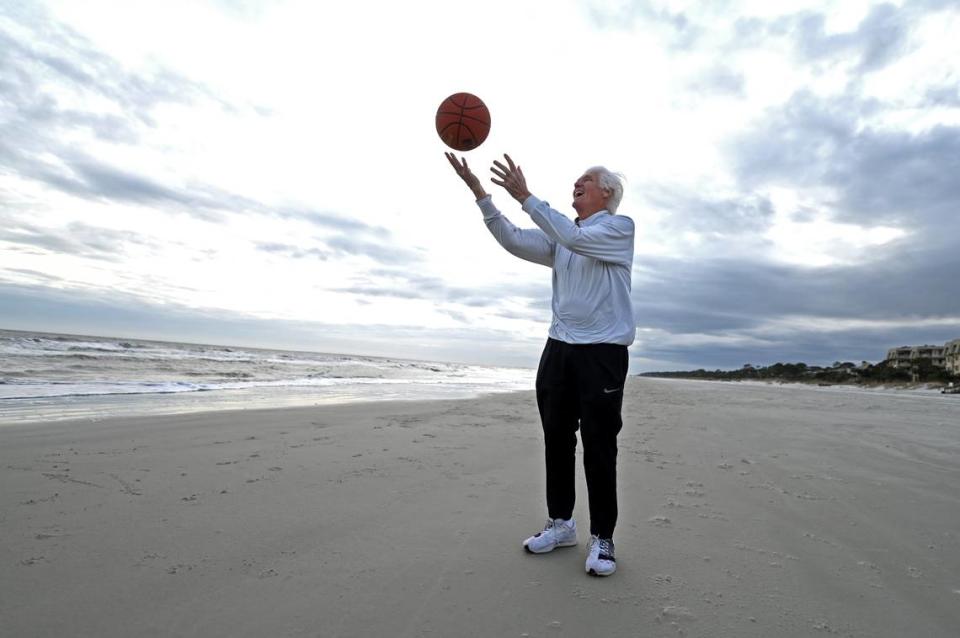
{"points": [[923, 371]]}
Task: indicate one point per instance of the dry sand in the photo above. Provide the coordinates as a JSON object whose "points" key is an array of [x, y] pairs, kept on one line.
{"points": [[745, 511]]}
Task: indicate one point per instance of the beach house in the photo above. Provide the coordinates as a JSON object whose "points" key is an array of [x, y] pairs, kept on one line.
{"points": [[906, 356], [951, 356]]}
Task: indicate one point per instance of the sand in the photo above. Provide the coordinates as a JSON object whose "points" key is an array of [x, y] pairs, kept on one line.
{"points": [[745, 511]]}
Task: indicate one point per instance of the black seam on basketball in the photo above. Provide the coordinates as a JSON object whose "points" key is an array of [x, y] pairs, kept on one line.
{"points": [[466, 98], [468, 117], [456, 113]]}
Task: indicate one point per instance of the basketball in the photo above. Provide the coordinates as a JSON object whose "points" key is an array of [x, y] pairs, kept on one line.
{"points": [[463, 121]]}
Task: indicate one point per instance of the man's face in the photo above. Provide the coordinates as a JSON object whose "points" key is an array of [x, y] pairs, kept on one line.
{"points": [[588, 197]]}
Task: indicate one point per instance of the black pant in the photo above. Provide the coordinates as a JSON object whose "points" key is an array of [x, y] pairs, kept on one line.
{"points": [[582, 386]]}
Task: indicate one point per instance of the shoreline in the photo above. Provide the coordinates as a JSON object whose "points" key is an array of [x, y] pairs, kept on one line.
{"points": [[922, 388], [32, 411], [745, 511]]}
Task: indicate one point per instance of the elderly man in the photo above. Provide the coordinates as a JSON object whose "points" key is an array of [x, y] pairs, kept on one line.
{"points": [[584, 364]]}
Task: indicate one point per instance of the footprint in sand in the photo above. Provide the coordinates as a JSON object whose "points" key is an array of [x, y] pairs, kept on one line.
{"points": [[674, 613], [33, 560]]}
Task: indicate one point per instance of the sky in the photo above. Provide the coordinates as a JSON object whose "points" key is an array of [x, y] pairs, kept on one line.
{"points": [[268, 173]]}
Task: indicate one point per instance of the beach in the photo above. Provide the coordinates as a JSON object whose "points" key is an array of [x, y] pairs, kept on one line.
{"points": [[745, 510]]}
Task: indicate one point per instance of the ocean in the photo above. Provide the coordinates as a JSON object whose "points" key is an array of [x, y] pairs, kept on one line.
{"points": [[51, 377]]}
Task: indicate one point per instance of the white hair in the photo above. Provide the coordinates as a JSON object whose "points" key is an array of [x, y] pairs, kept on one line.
{"points": [[609, 181]]}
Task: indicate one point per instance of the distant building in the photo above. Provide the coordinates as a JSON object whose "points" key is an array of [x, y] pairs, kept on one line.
{"points": [[906, 356], [899, 357], [951, 356]]}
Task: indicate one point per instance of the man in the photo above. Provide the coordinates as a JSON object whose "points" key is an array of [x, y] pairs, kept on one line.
{"points": [[584, 364]]}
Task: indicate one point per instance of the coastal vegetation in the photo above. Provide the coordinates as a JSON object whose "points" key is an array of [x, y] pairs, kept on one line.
{"points": [[841, 372]]}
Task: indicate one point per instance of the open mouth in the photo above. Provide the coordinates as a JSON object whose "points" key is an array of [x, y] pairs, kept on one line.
{"points": [[578, 192]]}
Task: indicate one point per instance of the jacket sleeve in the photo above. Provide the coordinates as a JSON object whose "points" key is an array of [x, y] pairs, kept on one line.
{"points": [[531, 244], [610, 240]]}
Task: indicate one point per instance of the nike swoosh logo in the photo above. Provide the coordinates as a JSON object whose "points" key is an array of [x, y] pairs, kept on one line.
{"points": [[605, 391]]}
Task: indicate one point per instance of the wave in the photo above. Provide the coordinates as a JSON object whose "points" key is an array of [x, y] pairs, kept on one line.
{"points": [[59, 389]]}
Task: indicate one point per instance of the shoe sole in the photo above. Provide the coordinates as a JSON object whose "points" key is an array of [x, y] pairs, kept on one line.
{"points": [[597, 574], [547, 551]]}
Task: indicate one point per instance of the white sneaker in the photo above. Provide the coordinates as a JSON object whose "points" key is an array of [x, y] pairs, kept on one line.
{"points": [[557, 533], [600, 559]]}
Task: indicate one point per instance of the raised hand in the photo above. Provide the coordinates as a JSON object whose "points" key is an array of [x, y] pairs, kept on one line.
{"points": [[511, 179], [471, 180]]}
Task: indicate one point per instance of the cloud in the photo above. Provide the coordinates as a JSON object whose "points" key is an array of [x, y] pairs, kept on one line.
{"points": [[42, 59], [681, 29], [879, 39], [58, 92], [534, 298], [880, 176], [946, 94], [330, 220], [736, 307], [75, 238], [719, 80], [378, 251], [372, 242], [107, 313], [746, 212], [294, 252]]}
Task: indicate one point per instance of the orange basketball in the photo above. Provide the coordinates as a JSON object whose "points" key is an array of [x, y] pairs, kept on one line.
{"points": [[463, 121]]}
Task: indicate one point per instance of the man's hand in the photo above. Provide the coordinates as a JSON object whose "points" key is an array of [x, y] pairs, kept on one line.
{"points": [[471, 180], [511, 178]]}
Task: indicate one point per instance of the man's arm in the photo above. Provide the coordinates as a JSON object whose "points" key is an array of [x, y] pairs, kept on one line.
{"points": [[610, 240], [530, 244]]}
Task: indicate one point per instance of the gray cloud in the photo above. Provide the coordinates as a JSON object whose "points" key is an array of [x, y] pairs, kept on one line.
{"points": [[814, 348], [358, 243], [56, 54], [295, 252], [747, 212], [76, 239], [732, 299], [946, 94], [114, 314], [682, 30], [882, 37], [719, 80], [48, 71], [711, 295], [41, 60], [879, 39], [407, 284], [330, 220], [382, 252], [751, 311], [880, 175]]}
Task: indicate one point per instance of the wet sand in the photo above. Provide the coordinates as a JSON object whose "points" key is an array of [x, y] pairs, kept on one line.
{"points": [[746, 510]]}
